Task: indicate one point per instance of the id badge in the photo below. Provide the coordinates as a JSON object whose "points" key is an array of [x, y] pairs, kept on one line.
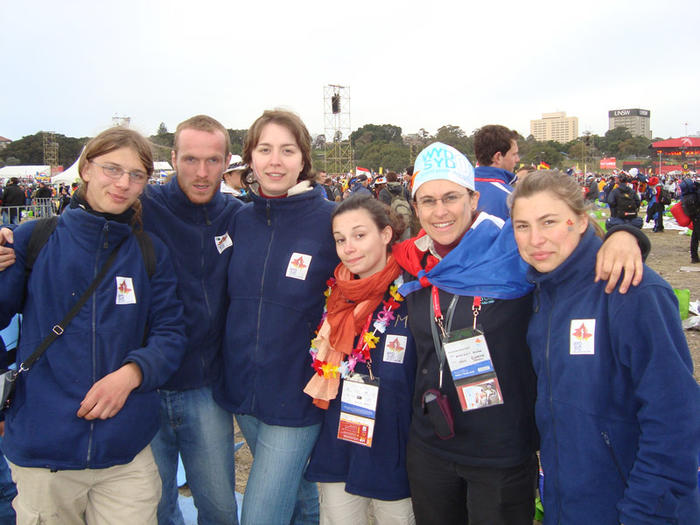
{"points": [[472, 369], [358, 408]]}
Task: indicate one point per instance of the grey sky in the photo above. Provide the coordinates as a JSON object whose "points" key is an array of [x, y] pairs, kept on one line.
{"points": [[70, 66]]}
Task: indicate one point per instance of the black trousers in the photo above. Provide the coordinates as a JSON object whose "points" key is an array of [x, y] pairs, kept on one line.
{"points": [[694, 238], [447, 493]]}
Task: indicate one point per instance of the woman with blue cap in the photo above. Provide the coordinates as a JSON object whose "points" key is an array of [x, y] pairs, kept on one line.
{"points": [[471, 450]]}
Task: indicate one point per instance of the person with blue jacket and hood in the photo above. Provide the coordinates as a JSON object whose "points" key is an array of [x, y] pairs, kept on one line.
{"points": [[496, 149], [77, 432], [618, 408], [283, 255]]}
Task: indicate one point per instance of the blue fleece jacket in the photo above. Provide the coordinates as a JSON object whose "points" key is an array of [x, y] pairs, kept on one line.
{"points": [[618, 409], [42, 428], [194, 234], [283, 254], [378, 471], [494, 186]]}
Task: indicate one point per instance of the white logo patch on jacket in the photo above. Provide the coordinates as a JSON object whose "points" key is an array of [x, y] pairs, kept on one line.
{"points": [[395, 348], [222, 242], [125, 290], [298, 266], [582, 337]]}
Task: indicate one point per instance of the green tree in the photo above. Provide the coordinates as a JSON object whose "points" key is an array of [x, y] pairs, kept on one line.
{"points": [[30, 149], [237, 137], [376, 133], [456, 137], [390, 156]]}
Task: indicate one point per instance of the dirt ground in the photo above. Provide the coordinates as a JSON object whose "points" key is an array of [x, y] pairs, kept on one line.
{"points": [[670, 251]]}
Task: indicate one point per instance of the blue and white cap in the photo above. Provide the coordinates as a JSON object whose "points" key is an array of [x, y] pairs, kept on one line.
{"points": [[442, 162]]}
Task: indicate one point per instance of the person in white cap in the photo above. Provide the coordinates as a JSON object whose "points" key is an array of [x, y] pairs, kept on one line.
{"points": [[471, 450], [231, 182]]}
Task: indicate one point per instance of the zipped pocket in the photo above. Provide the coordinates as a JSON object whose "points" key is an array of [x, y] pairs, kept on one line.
{"points": [[606, 438]]}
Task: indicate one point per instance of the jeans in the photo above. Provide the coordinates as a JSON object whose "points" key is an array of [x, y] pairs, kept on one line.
{"points": [[8, 491], [192, 424], [276, 492]]}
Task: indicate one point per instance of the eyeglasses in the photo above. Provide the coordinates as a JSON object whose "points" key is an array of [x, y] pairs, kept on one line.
{"points": [[447, 200], [116, 172]]}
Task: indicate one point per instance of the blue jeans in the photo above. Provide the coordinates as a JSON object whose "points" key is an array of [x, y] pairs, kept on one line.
{"points": [[8, 491], [276, 492], [192, 424]]}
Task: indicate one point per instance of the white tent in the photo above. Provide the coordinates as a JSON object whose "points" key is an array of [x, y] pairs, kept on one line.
{"points": [[24, 171], [67, 176]]}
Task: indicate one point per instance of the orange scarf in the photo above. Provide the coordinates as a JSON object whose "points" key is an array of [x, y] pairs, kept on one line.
{"points": [[348, 306]]}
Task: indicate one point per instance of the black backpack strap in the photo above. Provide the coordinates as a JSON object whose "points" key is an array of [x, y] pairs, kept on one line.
{"points": [[147, 251], [40, 235], [59, 328]]}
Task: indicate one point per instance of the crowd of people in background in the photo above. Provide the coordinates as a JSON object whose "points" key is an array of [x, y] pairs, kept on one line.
{"points": [[382, 340]]}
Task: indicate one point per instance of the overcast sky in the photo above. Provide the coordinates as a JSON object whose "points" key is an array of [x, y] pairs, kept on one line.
{"points": [[69, 66]]}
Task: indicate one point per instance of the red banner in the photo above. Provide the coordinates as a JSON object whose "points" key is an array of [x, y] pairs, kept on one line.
{"points": [[608, 163]]}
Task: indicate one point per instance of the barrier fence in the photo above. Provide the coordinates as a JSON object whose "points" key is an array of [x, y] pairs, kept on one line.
{"points": [[17, 214]]}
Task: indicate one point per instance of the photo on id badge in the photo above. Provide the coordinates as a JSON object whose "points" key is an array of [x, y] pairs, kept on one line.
{"points": [[472, 370]]}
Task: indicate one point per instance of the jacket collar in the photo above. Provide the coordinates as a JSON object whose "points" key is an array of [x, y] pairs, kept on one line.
{"points": [[297, 198], [90, 228], [489, 172], [176, 199]]}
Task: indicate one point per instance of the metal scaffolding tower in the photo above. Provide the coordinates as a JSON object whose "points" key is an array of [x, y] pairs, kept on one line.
{"points": [[50, 148], [338, 158]]}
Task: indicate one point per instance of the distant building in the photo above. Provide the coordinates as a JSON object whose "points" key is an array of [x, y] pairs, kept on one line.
{"points": [[555, 126], [636, 120], [4, 142]]}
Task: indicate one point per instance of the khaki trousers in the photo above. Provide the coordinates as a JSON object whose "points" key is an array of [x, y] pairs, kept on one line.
{"points": [[120, 495], [341, 508]]}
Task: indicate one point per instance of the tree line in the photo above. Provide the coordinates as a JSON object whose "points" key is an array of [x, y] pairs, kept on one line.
{"points": [[377, 146]]}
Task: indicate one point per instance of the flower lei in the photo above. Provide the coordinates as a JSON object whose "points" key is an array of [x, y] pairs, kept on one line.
{"points": [[367, 339]]}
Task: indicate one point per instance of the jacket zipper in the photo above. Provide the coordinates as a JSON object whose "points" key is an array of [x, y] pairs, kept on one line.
{"points": [[202, 249], [551, 403], [105, 246], [606, 438], [262, 286]]}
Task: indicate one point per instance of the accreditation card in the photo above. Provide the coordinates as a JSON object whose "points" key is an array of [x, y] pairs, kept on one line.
{"points": [[472, 369], [358, 408]]}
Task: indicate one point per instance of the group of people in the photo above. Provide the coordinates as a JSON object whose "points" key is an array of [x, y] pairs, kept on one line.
{"points": [[411, 380], [15, 196]]}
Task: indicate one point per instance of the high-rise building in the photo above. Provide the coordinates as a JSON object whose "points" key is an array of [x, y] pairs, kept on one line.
{"points": [[555, 126], [636, 120]]}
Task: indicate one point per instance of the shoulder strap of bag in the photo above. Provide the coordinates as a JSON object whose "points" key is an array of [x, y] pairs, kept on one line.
{"points": [[58, 329], [40, 234], [147, 251]]}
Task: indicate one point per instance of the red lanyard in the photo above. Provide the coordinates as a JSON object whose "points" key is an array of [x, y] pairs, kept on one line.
{"points": [[476, 308]]}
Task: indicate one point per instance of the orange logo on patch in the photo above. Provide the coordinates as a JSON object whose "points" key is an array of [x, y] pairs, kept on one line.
{"points": [[395, 346], [123, 288], [298, 263], [581, 333]]}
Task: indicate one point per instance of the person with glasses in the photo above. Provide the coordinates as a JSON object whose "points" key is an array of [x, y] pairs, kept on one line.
{"points": [[471, 448], [194, 221], [78, 430]]}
